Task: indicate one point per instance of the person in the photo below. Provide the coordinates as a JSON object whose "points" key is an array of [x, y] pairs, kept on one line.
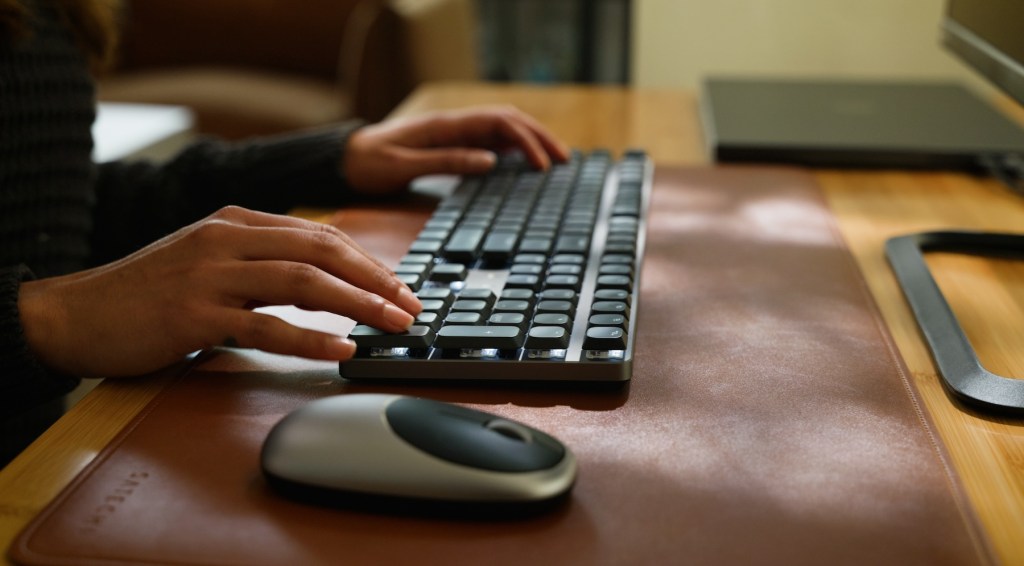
{"points": [[120, 269]]}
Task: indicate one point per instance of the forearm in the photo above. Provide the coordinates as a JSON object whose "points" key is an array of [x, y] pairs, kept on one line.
{"points": [[140, 202]]}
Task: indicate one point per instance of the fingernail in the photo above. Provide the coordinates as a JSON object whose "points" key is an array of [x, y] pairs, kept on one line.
{"points": [[340, 348], [397, 316], [483, 160]]}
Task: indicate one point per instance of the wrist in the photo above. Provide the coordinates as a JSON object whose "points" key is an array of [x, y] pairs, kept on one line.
{"points": [[349, 131], [44, 324]]}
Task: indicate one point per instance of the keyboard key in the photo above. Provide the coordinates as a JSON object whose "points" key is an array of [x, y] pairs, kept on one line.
{"points": [[565, 269], [527, 269], [430, 319], [433, 305], [464, 244], [608, 320], [623, 230], [617, 238], [518, 281], [443, 294], [433, 234], [572, 244], [508, 305], [615, 269], [614, 282], [420, 269], [547, 338], [499, 246], [425, 247], [535, 245], [610, 307], [558, 295], [412, 280], [617, 258], [507, 319], [604, 338], [469, 305], [417, 258], [440, 224], [620, 249], [572, 259], [412, 275], [552, 319], [612, 295], [562, 282], [539, 234], [448, 272], [477, 294], [518, 295], [530, 258], [416, 336], [463, 317], [479, 337], [556, 307]]}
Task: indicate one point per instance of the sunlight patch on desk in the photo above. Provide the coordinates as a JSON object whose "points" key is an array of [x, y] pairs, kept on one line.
{"points": [[775, 219]]}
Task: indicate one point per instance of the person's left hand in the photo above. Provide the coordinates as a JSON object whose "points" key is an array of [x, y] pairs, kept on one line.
{"points": [[385, 157]]}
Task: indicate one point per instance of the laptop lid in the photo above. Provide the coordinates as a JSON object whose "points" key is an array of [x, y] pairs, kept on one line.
{"points": [[846, 123]]}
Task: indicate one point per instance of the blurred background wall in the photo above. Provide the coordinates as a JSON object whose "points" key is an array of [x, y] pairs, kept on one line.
{"points": [[679, 41], [250, 67], [675, 43]]}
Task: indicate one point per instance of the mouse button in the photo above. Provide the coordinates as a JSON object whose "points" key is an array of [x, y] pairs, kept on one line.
{"points": [[510, 429], [460, 435], [312, 438]]}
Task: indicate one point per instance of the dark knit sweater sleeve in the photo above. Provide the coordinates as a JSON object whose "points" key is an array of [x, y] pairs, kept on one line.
{"points": [[23, 381], [140, 202]]}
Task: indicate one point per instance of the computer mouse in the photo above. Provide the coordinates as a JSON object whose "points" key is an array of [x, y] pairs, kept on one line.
{"points": [[393, 452]]}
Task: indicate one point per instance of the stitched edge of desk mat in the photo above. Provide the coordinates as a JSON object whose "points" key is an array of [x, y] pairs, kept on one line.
{"points": [[769, 420]]}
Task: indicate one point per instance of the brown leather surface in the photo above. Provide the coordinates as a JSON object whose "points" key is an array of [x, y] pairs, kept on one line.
{"points": [[769, 421]]}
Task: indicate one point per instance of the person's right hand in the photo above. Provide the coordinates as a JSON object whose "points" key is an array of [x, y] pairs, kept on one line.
{"points": [[196, 289]]}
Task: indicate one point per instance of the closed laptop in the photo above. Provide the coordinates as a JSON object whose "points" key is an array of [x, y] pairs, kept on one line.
{"points": [[848, 123]]}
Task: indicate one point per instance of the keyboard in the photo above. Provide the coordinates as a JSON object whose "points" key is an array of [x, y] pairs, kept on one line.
{"points": [[524, 276]]}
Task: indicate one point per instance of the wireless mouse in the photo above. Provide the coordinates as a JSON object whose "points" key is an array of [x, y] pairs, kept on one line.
{"points": [[392, 452]]}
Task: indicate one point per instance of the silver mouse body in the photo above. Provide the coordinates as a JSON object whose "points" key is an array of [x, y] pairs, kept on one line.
{"points": [[405, 447]]}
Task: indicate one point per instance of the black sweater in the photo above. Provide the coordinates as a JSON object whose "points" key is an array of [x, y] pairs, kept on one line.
{"points": [[60, 213]]}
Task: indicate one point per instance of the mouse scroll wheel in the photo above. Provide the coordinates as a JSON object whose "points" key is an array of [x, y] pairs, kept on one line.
{"points": [[510, 429]]}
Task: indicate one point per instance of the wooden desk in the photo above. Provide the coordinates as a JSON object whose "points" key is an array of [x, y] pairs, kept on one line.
{"points": [[988, 295]]}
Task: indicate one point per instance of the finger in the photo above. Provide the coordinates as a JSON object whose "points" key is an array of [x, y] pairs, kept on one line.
{"points": [[266, 332], [269, 237], [495, 129], [257, 219], [522, 137], [336, 253], [458, 161], [287, 283], [254, 218], [554, 147], [524, 126], [505, 128]]}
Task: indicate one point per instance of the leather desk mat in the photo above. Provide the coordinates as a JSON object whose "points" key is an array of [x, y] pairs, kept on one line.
{"points": [[769, 421]]}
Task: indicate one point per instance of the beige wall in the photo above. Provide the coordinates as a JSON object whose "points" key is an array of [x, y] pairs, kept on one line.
{"points": [[677, 42]]}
